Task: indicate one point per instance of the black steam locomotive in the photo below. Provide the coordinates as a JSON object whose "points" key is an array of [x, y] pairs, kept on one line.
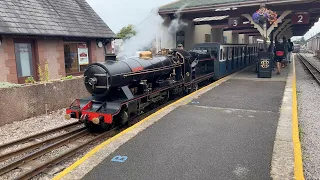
{"points": [[124, 89]]}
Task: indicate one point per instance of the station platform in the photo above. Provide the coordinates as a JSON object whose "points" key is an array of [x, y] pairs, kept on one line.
{"points": [[227, 131]]}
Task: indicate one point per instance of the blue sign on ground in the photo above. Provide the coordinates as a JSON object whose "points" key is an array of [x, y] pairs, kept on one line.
{"points": [[119, 158]]}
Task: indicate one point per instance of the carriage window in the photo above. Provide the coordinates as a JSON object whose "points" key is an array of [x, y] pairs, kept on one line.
{"points": [[225, 53], [220, 54], [214, 52], [230, 52]]}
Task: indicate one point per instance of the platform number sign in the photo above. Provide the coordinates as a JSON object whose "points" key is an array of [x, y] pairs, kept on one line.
{"points": [[234, 22], [300, 18], [119, 159]]}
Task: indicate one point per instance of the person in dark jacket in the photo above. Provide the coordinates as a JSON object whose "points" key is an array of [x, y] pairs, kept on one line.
{"points": [[279, 53], [286, 52], [290, 50]]}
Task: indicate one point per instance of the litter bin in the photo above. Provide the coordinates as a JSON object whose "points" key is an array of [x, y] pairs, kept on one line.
{"points": [[265, 65]]}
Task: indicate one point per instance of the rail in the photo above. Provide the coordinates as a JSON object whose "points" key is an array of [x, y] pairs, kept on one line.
{"points": [[42, 134], [313, 70]]}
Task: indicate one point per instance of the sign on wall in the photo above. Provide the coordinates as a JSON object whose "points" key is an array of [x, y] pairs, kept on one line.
{"points": [[300, 18], [83, 55]]}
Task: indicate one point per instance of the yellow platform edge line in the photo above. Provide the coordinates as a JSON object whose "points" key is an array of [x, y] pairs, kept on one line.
{"points": [[105, 143], [298, 165]]}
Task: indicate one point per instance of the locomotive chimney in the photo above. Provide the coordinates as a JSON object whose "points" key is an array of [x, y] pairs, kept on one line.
{"points": [[111, 57]]}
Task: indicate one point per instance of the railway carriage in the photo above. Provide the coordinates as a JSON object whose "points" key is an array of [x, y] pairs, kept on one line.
{"points": [[228, 58], [124, 89]]}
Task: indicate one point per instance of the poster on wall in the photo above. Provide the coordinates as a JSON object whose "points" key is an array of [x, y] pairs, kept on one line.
{"points": [[83, 55]]}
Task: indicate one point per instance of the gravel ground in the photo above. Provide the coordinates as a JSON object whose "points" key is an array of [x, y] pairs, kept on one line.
{"points": [[20, 129], [31, 126], [308, 92]]}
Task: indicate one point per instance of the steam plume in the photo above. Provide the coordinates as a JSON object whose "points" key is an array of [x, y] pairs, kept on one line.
{"points": [[149, 30]]}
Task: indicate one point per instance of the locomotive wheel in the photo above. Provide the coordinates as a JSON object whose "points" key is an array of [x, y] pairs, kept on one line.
{"points": [[92, 127], [106, 126], [195, 87], [167, 97]]}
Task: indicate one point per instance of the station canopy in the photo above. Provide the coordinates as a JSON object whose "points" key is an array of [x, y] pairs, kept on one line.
{"points": [[298, 15]]}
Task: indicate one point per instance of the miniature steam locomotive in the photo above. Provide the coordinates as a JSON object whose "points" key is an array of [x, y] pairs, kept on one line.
{"points": [[124, 89]]}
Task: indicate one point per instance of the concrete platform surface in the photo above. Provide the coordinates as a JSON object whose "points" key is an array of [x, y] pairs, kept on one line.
{"points": [[226, 133]]}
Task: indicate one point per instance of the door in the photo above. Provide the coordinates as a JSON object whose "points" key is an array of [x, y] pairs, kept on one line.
{"points": [[24, 61]]}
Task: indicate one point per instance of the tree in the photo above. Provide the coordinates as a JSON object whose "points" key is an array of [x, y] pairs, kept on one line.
{"points": [[127, 32]]}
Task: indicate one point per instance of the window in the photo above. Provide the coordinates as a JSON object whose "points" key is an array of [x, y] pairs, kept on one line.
{"points": [[225, 51], [76, 57], [24, 60], [180, 38], [207, 37], [214, 52], [221, 57]]}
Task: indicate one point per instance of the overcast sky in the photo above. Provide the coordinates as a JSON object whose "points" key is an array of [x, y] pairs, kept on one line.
{"points": [[119, 13]]}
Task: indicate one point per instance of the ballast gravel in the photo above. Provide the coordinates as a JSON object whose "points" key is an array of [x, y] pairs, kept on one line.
{"points": [[28, 127], [308, 93], [31, 126]]}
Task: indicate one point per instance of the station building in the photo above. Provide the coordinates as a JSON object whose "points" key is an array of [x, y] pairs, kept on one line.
{"points": [[65, 35], [313, 44]]}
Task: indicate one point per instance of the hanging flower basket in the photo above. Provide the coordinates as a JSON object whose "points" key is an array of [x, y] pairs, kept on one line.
{"points": [[263, 15]]}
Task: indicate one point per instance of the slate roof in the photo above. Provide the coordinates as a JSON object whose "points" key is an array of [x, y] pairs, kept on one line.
{"points": [[73, 18], [196, 3]]}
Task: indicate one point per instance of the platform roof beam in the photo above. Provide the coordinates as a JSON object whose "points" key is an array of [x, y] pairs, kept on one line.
{"points": [[286, 22], [282, 33]]}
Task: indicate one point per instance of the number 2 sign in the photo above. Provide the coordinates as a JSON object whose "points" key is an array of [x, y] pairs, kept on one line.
{"points": [[300, 18]]}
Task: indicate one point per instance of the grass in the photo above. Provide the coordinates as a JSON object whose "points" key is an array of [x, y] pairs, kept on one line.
{"points": [[8, 85], [300, 132]]}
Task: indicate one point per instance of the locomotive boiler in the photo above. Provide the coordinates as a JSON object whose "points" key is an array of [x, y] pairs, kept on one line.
{"points": [[144, 71]]}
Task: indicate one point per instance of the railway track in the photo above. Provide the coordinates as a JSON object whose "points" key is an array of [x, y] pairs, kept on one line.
{"points": [[314, 71]]}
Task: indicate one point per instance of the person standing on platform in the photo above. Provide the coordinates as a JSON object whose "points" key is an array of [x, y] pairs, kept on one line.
{"points": [[271, 49], [279, 53], [290, 50], [286, 52]]}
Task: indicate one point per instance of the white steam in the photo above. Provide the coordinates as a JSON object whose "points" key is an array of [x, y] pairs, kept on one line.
{"points": [[150, 31]]}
